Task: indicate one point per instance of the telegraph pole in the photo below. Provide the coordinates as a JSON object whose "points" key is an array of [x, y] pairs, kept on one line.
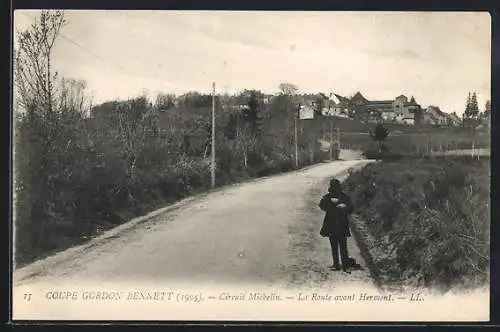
{"points": [[338, 137], [297, 115], [331, 139], [212, 164]]}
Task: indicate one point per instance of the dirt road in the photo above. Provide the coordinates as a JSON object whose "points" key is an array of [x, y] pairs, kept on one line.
{"points": [[251, 251], [264, 231]]}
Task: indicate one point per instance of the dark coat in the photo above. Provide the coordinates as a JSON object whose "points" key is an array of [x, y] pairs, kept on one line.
{"points": [[336, 221]]}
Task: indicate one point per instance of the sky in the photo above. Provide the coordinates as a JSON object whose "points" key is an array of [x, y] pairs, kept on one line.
{"points": [[437, 57]]}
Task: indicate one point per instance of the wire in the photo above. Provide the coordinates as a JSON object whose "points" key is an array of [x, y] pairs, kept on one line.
{"points": [[119, 67], [95, 54]]}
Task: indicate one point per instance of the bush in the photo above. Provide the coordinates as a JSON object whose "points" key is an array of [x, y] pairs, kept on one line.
{"points": [[77, 176], [429, 217]]}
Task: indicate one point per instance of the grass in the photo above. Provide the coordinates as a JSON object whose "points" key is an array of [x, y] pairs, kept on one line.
{"points": [[429, 219], [402, 139], [418, 143]]}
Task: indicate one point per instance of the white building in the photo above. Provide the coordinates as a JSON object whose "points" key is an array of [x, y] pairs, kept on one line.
{"points": [[335, 107]]}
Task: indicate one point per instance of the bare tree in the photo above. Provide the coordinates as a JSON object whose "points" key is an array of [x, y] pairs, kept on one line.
{"points": [[135, 118], [73, 97], [246, 141], [33, 74], [288, 89]]}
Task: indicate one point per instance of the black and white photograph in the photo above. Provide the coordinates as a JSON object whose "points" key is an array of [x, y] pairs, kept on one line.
{"points": [[313, 166]]}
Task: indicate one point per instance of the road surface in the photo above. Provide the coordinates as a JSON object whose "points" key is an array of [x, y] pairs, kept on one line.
{"points": [[263, 231]]}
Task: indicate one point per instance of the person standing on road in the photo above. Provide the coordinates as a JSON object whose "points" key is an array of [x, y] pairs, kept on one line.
{"points": [[337, 206]]}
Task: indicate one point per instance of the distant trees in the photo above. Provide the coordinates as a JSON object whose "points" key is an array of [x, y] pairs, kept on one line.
{"points": [[471, 117], [135, 119], [196, 100], [288, 89], [164, 101], [319, 104], [487, 109], [252, 114], [249, 130], [471, 107]]}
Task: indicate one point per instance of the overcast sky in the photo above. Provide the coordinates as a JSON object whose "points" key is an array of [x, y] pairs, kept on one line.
{"points": [[436, 57]]}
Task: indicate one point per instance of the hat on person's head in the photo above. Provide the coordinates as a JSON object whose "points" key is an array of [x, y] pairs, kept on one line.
{"points": [[335, 185]]}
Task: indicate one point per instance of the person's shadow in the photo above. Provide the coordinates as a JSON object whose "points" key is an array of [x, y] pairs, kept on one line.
{"points": [[353, 265]]}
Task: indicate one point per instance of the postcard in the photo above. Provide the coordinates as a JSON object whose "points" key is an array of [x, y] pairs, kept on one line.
{"points": [[251, 166]]}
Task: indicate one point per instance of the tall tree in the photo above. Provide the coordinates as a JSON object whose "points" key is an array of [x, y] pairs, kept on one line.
{"points": [[471, 119], [135, 119], [34, 78], [252, 114], [319, 104], [467, 112], [290, 103], [487, 109], [288, 89], [474, 107], [52, 141], [418, 116], [164, 101]]}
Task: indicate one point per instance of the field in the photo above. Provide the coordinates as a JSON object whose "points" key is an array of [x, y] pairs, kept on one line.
{"points": [[407, 144], [427, 220], [402, 139]]}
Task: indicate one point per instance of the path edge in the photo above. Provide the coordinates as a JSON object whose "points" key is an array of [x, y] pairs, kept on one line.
{"points": [[360, 238]]}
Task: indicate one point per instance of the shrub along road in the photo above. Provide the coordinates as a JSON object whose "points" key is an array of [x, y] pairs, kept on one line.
{"points": [[265, 231]]}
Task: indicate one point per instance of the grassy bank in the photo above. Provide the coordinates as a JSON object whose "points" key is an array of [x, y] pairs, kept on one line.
{"points": [[428, 220]]}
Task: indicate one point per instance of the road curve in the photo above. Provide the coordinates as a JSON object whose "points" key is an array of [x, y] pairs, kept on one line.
{"points": [[254, 232]]}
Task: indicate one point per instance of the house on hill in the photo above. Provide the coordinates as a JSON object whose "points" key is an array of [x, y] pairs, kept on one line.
{"points": [[336, 105], [435, 117], [399, 110], [358, 99], [454, 120], [382, 108]]}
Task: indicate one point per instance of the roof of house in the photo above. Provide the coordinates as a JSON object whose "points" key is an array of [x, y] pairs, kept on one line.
{"points": [[436, 110], [359, 97], [380, 102], [335, 98], [381, 105], [342, 98]]}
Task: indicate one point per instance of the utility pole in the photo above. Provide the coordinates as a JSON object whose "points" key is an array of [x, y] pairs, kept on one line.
{"points": [[212, 164], [297, 115], [429, 146], [331, 139], [473, 137], [338, 137]]}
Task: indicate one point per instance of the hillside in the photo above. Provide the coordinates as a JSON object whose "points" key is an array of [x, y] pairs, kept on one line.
{"points": [[402, 139], [357, 126]]}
